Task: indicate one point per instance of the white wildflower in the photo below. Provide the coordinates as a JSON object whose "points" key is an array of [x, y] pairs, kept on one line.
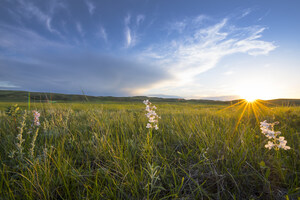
{"points": [[151, 119], [151, 115], [270, 145], [268, 130], [147, 108], [146, 102], [264, 124], [282, 143], [281, 139], [36, 120]]}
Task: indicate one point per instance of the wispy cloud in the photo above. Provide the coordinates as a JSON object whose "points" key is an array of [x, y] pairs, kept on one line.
{"points": [[140, 19], [178, 26], [102, 33], [200, 50], [130, 36], [79, 29], [187, 23], [7, 85], [266, 14], [29, 9], [200, 19], [246, 12], [23, 40], [91, 7], [131, 27], [127, 19]]}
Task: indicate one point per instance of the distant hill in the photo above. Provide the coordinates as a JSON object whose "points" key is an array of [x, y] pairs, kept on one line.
{"points": [[285, 102], [22, 96]]}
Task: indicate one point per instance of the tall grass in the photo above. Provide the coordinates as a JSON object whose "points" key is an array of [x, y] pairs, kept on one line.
{"points": [[97, 151]]}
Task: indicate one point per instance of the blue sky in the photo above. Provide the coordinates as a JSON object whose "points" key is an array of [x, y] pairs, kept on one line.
{"points": [[192, 49]]}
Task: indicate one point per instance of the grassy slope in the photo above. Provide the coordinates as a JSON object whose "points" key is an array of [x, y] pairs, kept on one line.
{"points": [[22, 96], [100, 151]]}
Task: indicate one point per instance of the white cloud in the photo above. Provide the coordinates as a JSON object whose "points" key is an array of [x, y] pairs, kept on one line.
{"points": [[200, 50], [91, 7], [246, 12], [49, 26], [130, 36]]}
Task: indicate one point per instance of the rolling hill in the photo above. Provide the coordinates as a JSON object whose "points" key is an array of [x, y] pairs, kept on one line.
{"points": [[22, 96]]}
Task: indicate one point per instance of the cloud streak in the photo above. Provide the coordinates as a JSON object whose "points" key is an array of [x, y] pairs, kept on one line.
{"points": [[79, 29], [28, 9], [140, 19], [102, 33], [24, 41], [199, 51], [91, 7], [130, 30], [129, 34]]}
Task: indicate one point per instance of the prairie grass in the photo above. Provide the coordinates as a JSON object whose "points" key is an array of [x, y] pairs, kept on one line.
{"points": [[98, 151]]}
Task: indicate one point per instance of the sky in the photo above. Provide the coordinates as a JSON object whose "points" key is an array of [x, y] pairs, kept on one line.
{"points": [[198, 49]]}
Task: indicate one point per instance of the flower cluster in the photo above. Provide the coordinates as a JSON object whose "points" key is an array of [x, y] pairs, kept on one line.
{"points": [[151, 114], [277, 142], [36, 120]]}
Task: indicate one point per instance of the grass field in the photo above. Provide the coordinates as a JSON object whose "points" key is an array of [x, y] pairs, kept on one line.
{"points": [[105, 151]]}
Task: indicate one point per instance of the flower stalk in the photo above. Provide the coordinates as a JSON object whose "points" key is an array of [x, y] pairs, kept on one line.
{"points": [[152, 124]]}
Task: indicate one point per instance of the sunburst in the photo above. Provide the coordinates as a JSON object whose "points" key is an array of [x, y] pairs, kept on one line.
{"points": [[248, 107]]}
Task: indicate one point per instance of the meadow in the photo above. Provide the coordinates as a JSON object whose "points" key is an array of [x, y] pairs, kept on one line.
{"points": [[105, 151]]}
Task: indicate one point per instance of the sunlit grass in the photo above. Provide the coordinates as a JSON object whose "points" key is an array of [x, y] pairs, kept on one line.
{"points": [[97, 151]]}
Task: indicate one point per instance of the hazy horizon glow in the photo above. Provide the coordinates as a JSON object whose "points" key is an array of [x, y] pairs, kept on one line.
{"points": [[211, 50]]}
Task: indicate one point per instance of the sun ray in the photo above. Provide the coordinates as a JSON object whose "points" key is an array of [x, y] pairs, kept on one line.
{"points": [[233, 105], [267, 102], [257, 109], [241, 116], [263, 106], [247, 109], [242, 105]]}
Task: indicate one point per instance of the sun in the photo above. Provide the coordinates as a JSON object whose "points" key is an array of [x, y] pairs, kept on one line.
{"points": [[252, 91], [250, 99], [250, 94]]}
